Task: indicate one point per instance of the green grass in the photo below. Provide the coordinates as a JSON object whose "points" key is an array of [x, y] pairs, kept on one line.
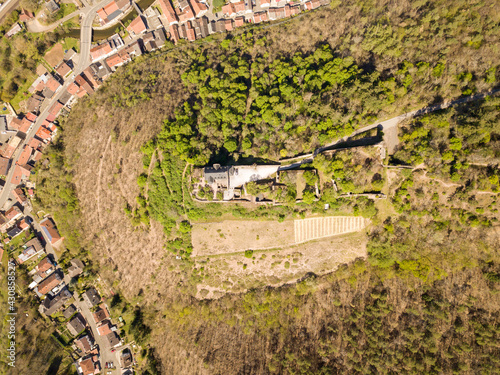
{"points": [[20, 96], [69, 43], [2, 112]]}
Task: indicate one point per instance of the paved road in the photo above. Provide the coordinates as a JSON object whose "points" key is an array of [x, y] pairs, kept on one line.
{"points": [[7, 8]]}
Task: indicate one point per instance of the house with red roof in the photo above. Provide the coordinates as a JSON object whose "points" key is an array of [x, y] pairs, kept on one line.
{"points": [[265, 3], [228, 24], [199, 8], [185, 15], [50, 231], [137, 26], [168, 11], [63, 69], [25, 155], [26, 15], [73, 88], [118, 59], [43, 133], [101, 51], [20, 175], [25, 125], [239, 21], [31, 116], [174, 33], [190, 32], [20, 197]]}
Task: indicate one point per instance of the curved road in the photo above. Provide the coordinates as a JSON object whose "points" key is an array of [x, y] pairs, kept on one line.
{"points": [[8, 7], [34, 26]]}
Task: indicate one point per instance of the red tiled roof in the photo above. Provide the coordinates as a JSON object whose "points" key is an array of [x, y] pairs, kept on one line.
{"points": [[63, 69], [239, 21], [88, 367], [168, 11], [25, 125], [15, 123], [110, 8], [73, 88], [228, 24], [186, 15], [87, 74], [174, 33], [191, 36], [25, 155], [34, 143], [104, 329], [228, 9], [100, 51], [239, 6], [12, 213], [31, 116], [137, 26], [198, 8], [43, 133], [19, 175], [101, 12], [117, 59], [48, 284], [52, 84], [49, 226], [81, 93], [56, 107]]}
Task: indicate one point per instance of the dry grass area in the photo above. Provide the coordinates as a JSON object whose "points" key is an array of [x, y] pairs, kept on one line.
{"points": [[237, 273], [55, 55], [238, 235]]}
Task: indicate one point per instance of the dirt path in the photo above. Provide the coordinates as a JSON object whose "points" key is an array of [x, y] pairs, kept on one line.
{"points": [[99, 174], [34, 26], [151, 164], [182, 186]]}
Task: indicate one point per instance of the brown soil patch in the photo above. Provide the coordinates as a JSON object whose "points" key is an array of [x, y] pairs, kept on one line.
{"points": [[237, 273], [55, 55], [238, 235]]}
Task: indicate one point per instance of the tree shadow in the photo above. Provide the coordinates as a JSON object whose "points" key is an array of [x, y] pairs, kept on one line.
{"points": [[54, 365]]}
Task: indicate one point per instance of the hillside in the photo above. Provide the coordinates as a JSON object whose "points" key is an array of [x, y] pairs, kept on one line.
{"points": [[427, 294]]}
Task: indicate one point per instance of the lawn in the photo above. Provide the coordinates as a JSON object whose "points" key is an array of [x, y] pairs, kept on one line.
{"points": [[22, 92], [69, 43]]}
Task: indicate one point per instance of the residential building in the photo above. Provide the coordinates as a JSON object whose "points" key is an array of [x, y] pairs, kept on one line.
{"points": [[85, 344], [4, 166], [21, 175], [199, 8], [113, 339], [91, 297], [50, 230], [63, 69], [105, 328], [69, 311], [19, 195], [76, 267], [52, 304], [101, 51], [44, 268], [137, 26], [49, 283], [87, 367], [168, 11], [101, 314], [76, 325]]}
